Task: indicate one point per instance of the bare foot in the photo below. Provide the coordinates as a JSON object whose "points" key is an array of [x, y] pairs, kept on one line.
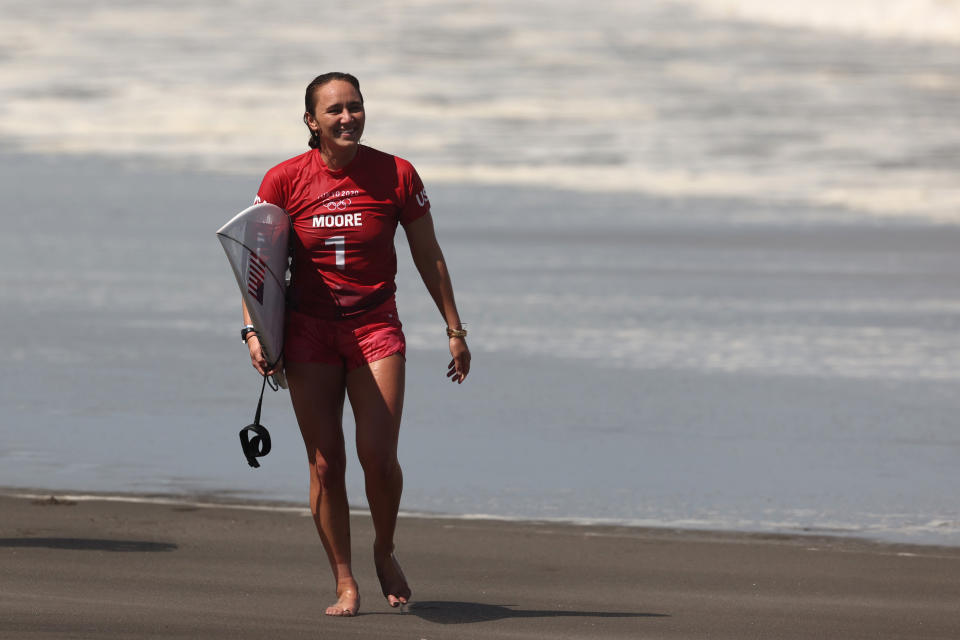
{"points": [[392, 581], [347, 604]]}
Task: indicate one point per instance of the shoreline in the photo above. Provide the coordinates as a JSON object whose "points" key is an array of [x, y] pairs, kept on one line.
{"points": [[219, 501], [101, 569]]}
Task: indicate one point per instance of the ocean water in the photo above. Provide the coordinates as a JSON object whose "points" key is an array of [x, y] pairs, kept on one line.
{"points": [[707, 254]]}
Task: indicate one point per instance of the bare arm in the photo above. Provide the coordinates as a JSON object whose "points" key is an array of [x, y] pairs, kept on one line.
{"points": [[429, 261], [257, 358]]}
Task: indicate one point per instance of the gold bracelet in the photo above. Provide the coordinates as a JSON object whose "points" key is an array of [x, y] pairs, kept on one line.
{"points": [[456, 333]]}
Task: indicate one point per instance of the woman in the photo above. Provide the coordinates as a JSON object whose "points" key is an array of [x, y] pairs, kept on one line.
{"points": [[343, 336]]}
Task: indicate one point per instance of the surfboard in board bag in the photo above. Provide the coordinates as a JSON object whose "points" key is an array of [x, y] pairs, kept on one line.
{"points": [[256, 244]]}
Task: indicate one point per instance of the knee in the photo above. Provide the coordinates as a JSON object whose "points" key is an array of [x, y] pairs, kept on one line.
{"points": [[328, 473], [379, 465]]}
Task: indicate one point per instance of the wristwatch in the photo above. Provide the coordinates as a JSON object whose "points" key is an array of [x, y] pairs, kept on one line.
{"points": [[247, 329], [456, 333]]}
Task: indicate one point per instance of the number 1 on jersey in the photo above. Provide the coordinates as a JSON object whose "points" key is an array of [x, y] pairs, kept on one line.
{"points": [[339, 242]]}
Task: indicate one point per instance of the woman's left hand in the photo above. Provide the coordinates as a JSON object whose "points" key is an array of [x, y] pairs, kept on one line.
{"points": [[459, 367]]}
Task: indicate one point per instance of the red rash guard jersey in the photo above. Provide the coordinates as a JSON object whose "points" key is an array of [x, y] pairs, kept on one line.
{"points": [[344, 221]]}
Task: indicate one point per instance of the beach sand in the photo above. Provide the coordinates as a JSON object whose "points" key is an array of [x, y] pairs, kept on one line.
{"points": [[97, 568]]}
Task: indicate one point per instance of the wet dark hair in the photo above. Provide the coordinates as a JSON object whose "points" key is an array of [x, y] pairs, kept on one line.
{"points": [[310, 98]]}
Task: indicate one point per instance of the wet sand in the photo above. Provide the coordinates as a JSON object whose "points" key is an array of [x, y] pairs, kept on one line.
{"points": [[106, 569]]}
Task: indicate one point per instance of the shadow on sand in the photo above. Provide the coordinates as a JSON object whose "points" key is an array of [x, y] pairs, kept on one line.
{"points": [[87, 544], [450, 612]]}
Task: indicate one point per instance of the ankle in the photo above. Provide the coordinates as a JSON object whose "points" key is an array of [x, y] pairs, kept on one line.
{"points": [[346, 583], [382, 551]]}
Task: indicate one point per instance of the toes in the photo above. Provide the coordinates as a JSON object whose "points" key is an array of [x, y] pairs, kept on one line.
{"points": [[339, 610], [396, 601]]}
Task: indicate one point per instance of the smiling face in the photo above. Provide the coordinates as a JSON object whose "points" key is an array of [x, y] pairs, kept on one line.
{"points": [[338, 118]]}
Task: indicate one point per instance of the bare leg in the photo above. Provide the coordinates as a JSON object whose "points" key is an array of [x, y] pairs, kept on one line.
{"points": [[376, 395], [317, 391]]}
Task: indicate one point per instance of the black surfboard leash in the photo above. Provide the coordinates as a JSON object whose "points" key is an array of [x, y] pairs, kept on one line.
{"points": [[258, 445]]}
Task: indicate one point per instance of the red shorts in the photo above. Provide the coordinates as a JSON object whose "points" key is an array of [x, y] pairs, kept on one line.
{"points": [[351, 342]]}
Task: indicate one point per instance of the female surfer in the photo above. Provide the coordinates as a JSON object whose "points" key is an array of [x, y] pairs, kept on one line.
{"points": [[342, 335]]}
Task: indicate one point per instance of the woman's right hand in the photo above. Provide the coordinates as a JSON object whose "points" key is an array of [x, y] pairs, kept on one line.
{"points": [[257, 359]]}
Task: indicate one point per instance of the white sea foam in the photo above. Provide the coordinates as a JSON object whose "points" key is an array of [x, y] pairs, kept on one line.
{"points": [[866, 353], [774, 337], [935, 197], [924, 20], [633, 98]]}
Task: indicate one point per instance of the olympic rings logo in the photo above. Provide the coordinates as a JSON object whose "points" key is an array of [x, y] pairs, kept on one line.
{"points": [[338, 205]]}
